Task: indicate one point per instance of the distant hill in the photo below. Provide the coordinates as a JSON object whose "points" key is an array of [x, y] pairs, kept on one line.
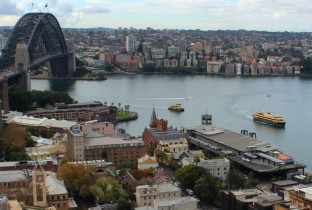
{"points": [[6, 27], [96, 29]]}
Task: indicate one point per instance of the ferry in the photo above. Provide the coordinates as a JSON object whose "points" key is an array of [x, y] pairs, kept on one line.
{"points": [[176, 108], [268, 118]]}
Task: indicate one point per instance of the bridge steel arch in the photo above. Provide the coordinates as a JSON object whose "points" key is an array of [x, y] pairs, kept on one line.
{"points": [[45, 40]]}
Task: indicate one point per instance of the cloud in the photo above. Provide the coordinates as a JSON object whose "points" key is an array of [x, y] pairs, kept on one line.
{"points": [[7, 7], [95, 10], [65, 8]]}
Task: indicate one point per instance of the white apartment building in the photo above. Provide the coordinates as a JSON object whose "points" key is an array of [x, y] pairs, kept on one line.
{"points": [[146, 194], [131, 44], [214, 66], [217, 167]]}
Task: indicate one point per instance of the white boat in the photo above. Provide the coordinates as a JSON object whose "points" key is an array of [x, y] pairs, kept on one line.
{"points": [[188, 97]]}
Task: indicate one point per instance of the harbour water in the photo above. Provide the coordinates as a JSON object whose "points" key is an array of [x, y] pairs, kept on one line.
{"points": [[230, 100]]}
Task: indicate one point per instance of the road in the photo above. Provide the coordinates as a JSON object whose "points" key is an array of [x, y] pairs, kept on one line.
{"points": [[201, 205]]}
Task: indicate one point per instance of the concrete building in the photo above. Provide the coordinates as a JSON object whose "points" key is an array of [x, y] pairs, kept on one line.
{"points": [[45, 123], [158, 53], [252, 199], [173, 51], [217, 167], [182, 203], [131, 44], [105, 128], [46, 148], [80, 112], [166, 63], [257, 155], [214, 67], [229, 69], [75, 145], [174, 63], [146, 194], [246, 70], [239, 68]]}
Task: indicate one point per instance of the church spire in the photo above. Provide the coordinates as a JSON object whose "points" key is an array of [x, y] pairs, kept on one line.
{"points": [[153, 122]]}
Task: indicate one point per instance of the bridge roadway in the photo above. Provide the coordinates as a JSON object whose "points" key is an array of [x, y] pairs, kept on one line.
{"points": [[260, 168]]}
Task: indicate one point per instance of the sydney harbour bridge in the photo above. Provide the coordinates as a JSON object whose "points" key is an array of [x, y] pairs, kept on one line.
{"points": [[37, 38]]}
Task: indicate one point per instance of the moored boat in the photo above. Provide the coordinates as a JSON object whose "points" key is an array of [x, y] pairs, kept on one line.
{"points": [[176, 108], [268, 118]]}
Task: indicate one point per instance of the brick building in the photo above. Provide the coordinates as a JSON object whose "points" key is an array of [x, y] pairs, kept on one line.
{"points": [[159, 131], [47, 165], [95, 146]]}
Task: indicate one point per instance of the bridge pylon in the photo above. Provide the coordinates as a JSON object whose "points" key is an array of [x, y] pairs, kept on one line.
{"points": [[22, 64]]}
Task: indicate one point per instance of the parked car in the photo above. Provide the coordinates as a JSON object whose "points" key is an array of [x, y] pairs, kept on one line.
{"points": [[189, 191]]}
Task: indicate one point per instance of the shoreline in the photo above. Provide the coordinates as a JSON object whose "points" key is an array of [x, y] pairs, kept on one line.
{"points": [[134, 116]]}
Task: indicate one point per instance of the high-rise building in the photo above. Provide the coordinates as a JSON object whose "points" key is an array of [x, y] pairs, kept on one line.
{"points": [[131, 45]]}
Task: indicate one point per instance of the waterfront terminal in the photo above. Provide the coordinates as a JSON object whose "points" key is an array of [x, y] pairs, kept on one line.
{"points": [[244, 149]]}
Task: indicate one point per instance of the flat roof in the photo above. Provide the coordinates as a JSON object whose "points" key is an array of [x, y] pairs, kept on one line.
{"points": [[307, 190], [102, 140], [231, 139], [167, 187], [173, 201], [12, 176]]}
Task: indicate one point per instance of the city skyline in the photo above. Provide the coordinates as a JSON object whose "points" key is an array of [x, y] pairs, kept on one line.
{"points": [[276, 15]]}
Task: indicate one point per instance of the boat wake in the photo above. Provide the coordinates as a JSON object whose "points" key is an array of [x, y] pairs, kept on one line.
{"points": [[169, 98]]}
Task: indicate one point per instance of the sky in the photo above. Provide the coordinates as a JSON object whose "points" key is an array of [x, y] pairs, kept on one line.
{"points": [[264, 15]]}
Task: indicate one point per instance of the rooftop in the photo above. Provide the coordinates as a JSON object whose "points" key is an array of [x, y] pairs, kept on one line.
{"points": [[93, 139], [167, 187], [54, 185], [232, 139], [170, 134], [173, 201], [13, 176]]}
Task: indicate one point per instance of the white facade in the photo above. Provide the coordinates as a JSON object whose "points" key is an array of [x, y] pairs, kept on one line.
{"points": [[131, 45], [75, 147], [218, 167], [158, 53], [213, 67], [239, 68]]}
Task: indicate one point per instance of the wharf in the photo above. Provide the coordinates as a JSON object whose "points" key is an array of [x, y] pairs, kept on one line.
{"points": [[259, 156]]}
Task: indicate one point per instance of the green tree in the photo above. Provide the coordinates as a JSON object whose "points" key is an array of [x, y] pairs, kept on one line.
{"points": [[196, 160], [124, 205], [77, 178], [162, 157], [145, 181], [207, 188], [20, 100], [235, 179], [150, 151], [29, 142], [119, 105], [107, 190], [127, 107], [189, 174]]}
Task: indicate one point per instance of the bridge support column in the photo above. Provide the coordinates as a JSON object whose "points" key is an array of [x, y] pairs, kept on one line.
{"points": [[22, 63], [6, 95], [72, 58], [71, 64]]}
